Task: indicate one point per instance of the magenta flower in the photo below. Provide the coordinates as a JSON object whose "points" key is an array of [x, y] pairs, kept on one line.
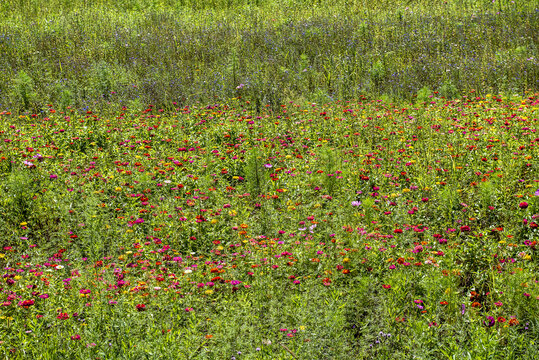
{"points": [[489, 322]]}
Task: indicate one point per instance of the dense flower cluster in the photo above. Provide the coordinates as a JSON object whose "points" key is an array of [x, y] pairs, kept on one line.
{"points": [[164, 220]]}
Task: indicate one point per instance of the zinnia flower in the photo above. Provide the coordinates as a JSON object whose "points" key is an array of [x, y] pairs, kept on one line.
{"points": [[489, 322]]}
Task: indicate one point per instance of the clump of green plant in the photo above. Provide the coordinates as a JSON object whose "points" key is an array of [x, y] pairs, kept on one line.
{"points": [[423, 94], [23, 91], [449, 90]]}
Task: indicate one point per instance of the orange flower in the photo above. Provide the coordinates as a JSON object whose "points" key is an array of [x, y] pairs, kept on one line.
{"points": [[513, 322], [476, 304], [209, 336]]}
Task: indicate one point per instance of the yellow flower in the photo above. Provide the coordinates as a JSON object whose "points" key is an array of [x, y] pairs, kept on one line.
{"points": [[209, 292]]}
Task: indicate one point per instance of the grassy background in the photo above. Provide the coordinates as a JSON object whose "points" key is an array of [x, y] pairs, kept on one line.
{"points": [[148, 51]]}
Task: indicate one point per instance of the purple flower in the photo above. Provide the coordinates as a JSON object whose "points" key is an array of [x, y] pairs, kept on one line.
{"points": [[490, 321], [356, 203], [536, 192]]}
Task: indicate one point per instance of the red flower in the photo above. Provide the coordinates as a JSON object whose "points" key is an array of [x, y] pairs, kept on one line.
{"points": [[397, 231], [26, 303], [141, 307], [523, 205], [465, 228]]}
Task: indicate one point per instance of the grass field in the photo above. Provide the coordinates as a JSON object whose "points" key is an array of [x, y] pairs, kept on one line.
{"points": [[269, 180], [150, 51]]}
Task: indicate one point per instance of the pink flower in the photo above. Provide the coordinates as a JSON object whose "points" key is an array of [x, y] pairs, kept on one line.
{"points": [[523, 205]]}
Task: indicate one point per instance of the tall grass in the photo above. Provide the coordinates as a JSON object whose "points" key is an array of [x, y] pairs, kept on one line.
{"points": [[79, 52]]}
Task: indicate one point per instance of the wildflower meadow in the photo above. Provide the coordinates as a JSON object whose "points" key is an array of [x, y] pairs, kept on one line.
{"points": [[293, 202]]}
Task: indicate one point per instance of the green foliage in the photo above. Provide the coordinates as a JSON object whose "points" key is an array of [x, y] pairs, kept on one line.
{"points": [[23, 92], [448, 90], [423, 94], [66, 99], [159, 50]]}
